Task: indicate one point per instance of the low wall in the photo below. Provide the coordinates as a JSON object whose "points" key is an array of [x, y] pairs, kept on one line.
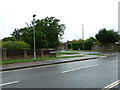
{"points": [[8, 54], [107, 47]]}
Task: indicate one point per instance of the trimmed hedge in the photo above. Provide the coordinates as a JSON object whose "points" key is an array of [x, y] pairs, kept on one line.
{"points": [[15, 45], [0, 44], [9, 39], [79, 45]]}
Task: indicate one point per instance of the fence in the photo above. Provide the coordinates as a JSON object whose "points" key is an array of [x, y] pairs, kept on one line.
{"points": [[8, 54]]}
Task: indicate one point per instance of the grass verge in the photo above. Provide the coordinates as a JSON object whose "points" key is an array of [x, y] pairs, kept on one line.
{"points": [[79, 50], [67, 53], [96, 54], [37, 59]]}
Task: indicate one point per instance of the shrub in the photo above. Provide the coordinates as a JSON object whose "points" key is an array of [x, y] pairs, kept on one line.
{"points": [[9, 39], [0, 45], [88, 43], [77, 45], [15, 45]]}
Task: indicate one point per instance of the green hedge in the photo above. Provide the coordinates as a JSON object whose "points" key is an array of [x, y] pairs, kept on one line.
{"points": [[15, 45], [0, 43], [79, 45]]}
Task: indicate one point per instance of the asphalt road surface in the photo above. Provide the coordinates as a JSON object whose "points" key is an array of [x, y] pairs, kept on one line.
{"points": [[96, 73]]}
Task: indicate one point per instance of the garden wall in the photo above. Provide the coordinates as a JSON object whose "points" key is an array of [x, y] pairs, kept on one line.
{"points": [[107, 47], [10, 54]]}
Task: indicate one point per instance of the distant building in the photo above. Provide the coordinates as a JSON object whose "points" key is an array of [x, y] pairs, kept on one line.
{"points": [[65, 45]]}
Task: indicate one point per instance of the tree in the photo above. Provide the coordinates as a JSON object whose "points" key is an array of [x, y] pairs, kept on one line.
{"points": [[107, 36], [47, 33]]}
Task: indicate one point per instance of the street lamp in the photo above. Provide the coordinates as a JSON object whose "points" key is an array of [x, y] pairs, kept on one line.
{"points": [[83, 35], [34, 36]]}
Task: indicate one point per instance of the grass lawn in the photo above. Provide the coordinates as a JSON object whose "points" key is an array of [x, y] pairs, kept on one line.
{"points": [[96, 50], [96, 54], [79, 50], [67, 53], [38, 59]]}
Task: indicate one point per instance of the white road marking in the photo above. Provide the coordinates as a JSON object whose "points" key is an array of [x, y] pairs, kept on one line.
{"points": [[9, 83], [79, 68], [111, 85], [114, 61], [41, 66]]}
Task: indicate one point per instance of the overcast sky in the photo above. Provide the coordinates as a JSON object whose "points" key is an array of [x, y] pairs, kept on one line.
{"points": [[94, 14]]}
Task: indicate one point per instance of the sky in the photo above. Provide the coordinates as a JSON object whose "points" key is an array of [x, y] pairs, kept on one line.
{"points": [[93, 14]]}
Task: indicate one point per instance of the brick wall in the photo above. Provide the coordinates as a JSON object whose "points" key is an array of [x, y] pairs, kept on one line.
{"points": [[25, 54], [106, 47]]}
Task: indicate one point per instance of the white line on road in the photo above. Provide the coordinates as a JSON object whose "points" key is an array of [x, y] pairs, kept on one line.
{"points": [[111, 85], [9, 83], [43, 66], [114, 61], [79, 68]]}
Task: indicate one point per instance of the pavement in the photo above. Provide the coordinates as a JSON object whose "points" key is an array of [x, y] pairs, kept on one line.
{"points": [[48, 62]]}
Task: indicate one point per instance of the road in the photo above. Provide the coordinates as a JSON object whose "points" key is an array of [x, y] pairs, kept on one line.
{"points": [[96, 73]]}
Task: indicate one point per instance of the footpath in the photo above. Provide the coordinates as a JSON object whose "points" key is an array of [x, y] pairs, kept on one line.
{"points": [[14, 66]]}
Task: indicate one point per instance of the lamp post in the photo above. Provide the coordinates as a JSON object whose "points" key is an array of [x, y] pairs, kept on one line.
{"points": [[34, 36], [83, 35]]}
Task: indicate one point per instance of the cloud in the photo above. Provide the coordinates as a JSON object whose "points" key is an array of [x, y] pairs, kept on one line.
{"points": [[94, 14]]}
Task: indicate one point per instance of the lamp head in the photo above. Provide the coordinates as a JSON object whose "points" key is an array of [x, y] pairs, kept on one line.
{"points": [[34, 15]]}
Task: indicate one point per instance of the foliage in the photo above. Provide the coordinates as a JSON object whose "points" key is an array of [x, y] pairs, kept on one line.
{"points": [[107, 36], [15, 45], [47, 33], [69, 46], [77, 45], [0, 44], [9, 39], [88, 43]]}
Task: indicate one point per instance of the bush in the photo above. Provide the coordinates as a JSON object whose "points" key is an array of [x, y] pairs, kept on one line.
{"points": [[9, 39], [15, 45], [0, 44], [77, 45], [69, 46]]}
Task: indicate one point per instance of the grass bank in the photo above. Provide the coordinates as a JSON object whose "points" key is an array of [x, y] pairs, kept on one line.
{"points": [[38, 59], [66, 53], [79, 50], [96, 54], [97, 50]]}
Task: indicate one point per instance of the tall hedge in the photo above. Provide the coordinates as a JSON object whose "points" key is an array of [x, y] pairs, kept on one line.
{"points": [[79, 45], [15, 45]]}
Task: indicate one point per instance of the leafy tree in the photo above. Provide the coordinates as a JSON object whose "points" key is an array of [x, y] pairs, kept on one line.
{"points": [[9, 39], [107, 36], [47, 33]]}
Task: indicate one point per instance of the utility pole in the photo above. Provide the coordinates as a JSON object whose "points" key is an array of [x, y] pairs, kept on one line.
{"points": [[83, 35], [34, 37]]}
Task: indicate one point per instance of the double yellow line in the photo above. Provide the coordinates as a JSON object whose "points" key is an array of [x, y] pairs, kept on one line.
{"points": [[111, 85]]}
